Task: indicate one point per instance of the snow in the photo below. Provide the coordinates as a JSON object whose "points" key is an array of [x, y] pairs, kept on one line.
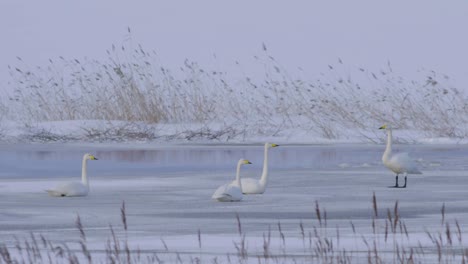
{"points": [[88, 131], [167, 190]]}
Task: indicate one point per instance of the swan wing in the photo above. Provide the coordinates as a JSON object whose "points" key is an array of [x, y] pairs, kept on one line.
{"points": [[220, 191], [404, 163], [227, 193], [252, 186], [54, 193], [69, 189]]}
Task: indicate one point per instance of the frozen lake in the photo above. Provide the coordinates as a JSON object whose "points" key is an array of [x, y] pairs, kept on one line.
{"points": [[167, 191]]}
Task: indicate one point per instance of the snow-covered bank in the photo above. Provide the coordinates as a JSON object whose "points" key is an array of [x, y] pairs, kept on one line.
{"points": [[197, 103], [137, 132]]}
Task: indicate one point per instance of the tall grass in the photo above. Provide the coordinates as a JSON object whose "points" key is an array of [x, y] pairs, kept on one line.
{"points": [[132, 85], [388, 240]]}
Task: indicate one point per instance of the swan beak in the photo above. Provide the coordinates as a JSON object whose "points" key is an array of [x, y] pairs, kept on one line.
{"points": [[383, 127], [248, 162], [274, 145], [93, 158]]}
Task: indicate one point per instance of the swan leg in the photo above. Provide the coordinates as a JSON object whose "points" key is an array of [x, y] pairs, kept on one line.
{"points": [[404, 186], [396, 182]]}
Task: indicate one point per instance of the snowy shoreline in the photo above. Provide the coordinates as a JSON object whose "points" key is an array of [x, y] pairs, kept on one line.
{"points": [[96, 131]]}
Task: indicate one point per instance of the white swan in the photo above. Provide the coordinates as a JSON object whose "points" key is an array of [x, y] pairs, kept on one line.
{"points": [[254, 186], [400, 163], [231, 192], [74, 188]]}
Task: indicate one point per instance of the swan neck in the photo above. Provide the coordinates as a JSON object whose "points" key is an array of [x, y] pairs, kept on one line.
{"points": [[84, 176], [238, 180], [264, 178], [388, 149]]}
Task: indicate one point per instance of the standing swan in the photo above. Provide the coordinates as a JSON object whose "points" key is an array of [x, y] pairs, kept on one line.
{"points": [[254, 186], [231, 192], [74, 188], [398, 163]]}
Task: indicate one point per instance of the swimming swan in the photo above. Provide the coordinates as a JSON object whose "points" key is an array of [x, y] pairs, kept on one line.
{"points": [[74, 188], [231, 192], [400, 163], [254, 186]]}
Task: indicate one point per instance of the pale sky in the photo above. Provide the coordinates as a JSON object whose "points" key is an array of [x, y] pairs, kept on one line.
{"points": [[309, 34]]}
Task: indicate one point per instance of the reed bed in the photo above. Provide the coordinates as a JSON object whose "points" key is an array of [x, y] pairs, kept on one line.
{"points": [[387, 240], [133, 86]]}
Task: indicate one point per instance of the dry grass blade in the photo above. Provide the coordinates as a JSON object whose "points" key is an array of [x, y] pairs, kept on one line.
{"points": [[239, 225], [390, 221], [79, 225], [374, 205], [123, 215], [283, 239], [5, 253], [396, 215], [442, 211], [166, 248], [199, 239], [317, 213], [301, 227], [386, 231], [459, 232], [448, 234]]}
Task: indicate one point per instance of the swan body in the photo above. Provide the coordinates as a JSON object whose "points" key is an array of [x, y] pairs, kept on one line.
{"points": [[71, 189], [228, 193], [400, 163], [254, 186], [231, 192]]}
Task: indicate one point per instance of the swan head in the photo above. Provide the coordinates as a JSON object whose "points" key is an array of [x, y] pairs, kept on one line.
{"points": [[385, 126], [244, 162], [89, 157], [271, 145]]}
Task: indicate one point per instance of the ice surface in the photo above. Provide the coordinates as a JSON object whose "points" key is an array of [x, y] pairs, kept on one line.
{"points": [[167, 192]]}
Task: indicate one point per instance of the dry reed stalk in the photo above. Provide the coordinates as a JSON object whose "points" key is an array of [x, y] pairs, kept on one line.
{"points": [[374, 205], [442, 212], [317, 213], [123, 215]]}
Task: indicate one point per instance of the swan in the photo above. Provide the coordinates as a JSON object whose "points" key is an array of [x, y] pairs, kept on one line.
{"points": [[254, 186], [231, 192], [74, 188], [400, 163]]}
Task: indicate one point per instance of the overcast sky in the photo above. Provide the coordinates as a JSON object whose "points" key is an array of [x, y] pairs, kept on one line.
{"points": [[309, 34]]}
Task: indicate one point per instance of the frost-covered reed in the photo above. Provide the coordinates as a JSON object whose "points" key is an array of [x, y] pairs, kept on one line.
{"points": [[133, 85]]}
